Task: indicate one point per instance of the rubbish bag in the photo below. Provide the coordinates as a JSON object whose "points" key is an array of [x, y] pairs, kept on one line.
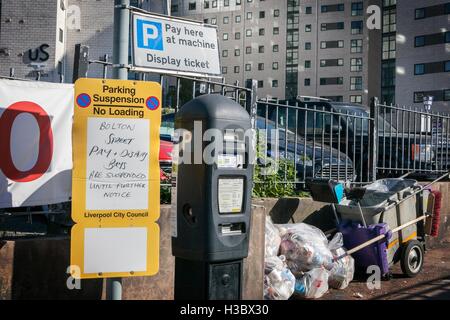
{"points": [[343, 266], [305, 248], [312, 284], [273, 239], [279, 282]]}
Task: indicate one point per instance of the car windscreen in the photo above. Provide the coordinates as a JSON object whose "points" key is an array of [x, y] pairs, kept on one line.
{"points": [[354, 123]]}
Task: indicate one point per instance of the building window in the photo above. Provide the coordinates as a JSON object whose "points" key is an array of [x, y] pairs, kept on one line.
{"points": [[308, 10], [237, 35], [431, 67], [192, 5], [225, 36], [224, 70], [420, 13], [226, 20], [438, 95], [355, 83], [237, 19], [249, 15], [388, 47], [248, 50], [331, 62], [432, 11], [205, 20], [356, 64], [262, 14], [356, 99], [447, 95], [276, 13], [332, 44], [357, 27], [274, 83], [226, 3], [332, 26], [260, 84], [292, 38], [262, 31], [334, 98], [275, 65], [357, 8], [307, 82], [292, 57], [432, 39], [213, 21], [236, 69], [260, 66], [419, 69], [260, 49], [276, 30], [61, 35], [224, 53], [331, 81], [389, 20], [388, 3], [206, 4], [248, 67], [248, 33], [214, 4], [238, 2], [174, 8], [332, 8], [308, 28], [307, 64], [237, 52], [275, 48], [307, 45], [356, 46]]}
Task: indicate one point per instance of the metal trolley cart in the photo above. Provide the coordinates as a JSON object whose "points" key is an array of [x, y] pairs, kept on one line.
{"points": [[383, 223]]}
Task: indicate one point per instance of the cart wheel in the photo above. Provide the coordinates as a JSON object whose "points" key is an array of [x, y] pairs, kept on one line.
{"points": [[412, 258]]}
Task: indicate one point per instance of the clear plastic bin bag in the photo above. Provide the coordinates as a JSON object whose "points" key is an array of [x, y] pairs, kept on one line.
{"points": [[343, 266], [312, 284], [279, 282], [272, 239], [305, 247]]}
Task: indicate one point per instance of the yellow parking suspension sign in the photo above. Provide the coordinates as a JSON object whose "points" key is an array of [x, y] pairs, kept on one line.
{"points": [[115, 180]]}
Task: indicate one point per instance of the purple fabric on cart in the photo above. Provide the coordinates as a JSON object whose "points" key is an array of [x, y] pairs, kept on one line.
{"points": [[375, 254]]}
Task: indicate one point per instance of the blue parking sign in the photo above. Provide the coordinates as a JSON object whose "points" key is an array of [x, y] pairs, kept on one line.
{"points": [[149, 35]]}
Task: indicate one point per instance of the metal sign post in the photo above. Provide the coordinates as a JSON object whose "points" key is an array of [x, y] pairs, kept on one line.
{"points": [[120, 71]]}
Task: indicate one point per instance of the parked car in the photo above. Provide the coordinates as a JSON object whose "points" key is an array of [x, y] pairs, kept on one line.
{"points": [[310, 159], [396, 149]]}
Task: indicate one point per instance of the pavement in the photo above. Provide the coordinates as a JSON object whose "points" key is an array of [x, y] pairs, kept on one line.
{"points": [[433, 283]]}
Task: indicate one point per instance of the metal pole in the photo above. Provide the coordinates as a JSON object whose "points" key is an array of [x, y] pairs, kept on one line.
{"points": [[121, 38], [373, 139], [105, 66], [120, 71]]}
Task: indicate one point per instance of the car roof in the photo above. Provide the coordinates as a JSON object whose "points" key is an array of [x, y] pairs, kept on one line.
{"points": [[348, 105]]}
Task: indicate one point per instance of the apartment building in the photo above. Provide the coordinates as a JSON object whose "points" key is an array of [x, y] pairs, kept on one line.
{"points": [[252, 39], [422, 52], [295, 47]]}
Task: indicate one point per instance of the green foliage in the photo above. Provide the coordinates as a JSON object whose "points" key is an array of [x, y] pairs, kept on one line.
{"points": [[275, 180], [278, 183], [165, 193]]}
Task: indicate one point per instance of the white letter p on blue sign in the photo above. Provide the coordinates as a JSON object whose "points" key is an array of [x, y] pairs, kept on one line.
{"points": [[149, 35]]}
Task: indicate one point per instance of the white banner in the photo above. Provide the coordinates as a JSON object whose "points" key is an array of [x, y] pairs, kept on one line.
{"points": [[175, 45], [35, 143]]}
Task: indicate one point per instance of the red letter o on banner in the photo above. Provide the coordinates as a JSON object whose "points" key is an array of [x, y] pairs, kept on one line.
{"points": [[45, 141]]}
